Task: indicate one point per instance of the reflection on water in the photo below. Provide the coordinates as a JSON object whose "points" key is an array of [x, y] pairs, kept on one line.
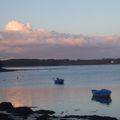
{"points": [[102, 100], [58, 98], [18, 97], [62, 99]]}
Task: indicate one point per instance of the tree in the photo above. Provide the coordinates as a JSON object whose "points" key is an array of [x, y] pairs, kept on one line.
{"points": [[0, 64]]}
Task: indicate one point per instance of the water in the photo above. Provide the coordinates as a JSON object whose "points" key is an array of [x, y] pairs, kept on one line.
{"points": [[36, 88]]}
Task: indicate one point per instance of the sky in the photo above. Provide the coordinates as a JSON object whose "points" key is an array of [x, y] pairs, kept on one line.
{"points": [[73, 29]]}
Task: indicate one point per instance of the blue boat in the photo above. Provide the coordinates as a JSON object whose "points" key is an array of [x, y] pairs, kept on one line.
{"points": [[59, 81], [101, 93]]}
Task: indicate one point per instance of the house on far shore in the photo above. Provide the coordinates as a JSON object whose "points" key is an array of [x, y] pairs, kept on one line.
{"points": [[112, 61]]}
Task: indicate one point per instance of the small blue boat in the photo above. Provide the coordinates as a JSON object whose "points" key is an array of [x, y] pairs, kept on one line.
{"points": [[101, 93], [59, 81]]}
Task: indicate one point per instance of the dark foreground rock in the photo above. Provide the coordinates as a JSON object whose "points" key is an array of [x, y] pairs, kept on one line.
{"points": [[6, 106], [92, 117], [9, 112], [4, 116]]}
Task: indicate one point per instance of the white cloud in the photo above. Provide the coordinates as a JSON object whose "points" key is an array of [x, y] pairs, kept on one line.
{"points": [[18, 26]]}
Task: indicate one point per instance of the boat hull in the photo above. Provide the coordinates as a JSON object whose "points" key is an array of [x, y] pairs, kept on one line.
{"points": [[59, 81], [102, 93]]}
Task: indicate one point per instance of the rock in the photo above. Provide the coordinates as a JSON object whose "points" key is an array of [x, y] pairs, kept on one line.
{"points": [[6, 106], [50, 112], [23, 111], [95, 117], [5, 117], [91, 117], [44, 117], [9, 112]]}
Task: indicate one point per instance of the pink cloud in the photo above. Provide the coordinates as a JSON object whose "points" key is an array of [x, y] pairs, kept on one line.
{"points": [[20, 38]]}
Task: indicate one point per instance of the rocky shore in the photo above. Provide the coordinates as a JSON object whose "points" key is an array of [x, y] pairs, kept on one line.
{"points": [[9, 112]]}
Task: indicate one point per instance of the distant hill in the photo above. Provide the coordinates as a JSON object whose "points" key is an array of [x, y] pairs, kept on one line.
{"points": [[55, 62]]}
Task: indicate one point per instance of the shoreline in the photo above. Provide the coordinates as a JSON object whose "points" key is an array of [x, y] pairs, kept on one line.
{"points": [[9, 112], [6, 70], [57, 62]]}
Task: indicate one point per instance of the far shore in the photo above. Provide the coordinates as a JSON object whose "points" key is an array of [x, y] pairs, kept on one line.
{"points": [[6, 70], [56, 62]]}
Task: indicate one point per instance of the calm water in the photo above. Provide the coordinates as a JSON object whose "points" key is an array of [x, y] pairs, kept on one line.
{"points": [[37, 88]]}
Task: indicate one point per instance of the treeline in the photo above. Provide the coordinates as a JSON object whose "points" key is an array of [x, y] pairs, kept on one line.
{"points": [[1, 67], [0, 64], [55, 62]]}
